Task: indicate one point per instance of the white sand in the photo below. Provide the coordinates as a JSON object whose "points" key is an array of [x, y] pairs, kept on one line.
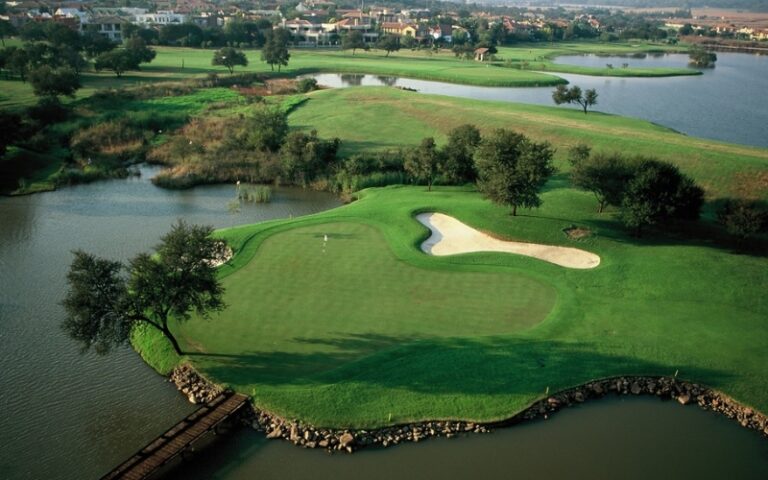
{"points": [[451, 237]]}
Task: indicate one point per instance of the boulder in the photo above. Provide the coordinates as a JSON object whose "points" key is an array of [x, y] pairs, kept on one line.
{"points": [[347, 440]]}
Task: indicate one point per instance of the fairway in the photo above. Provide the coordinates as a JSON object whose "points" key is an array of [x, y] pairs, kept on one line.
{"points": [[305, 305]]}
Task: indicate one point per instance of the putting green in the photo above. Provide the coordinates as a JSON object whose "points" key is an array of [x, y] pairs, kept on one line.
{"points": [[305, 305]]}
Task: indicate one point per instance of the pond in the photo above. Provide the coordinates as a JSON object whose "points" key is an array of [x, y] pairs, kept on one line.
{"points": [[726, 103], [66, 415], [627, 438]]}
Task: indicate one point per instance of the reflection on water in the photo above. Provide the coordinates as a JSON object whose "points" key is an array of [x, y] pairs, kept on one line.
{"points": [[627, 438], [66, 415], [726, 103]]}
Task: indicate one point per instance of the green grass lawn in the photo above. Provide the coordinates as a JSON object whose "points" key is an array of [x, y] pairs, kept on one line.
{"points": [[371, 118], [374, 327], [175, 63]]}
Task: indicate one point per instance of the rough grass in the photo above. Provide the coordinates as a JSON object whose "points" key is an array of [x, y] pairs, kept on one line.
{"points": [[378, 118], [348, 337]]}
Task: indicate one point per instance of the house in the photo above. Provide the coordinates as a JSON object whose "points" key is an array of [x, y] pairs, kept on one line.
{"points": [[402, 29], [358, 22], [162, 17], [482, 54], [107, 26], [442, 32]]}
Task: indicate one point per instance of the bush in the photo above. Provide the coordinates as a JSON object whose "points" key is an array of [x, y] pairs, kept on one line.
{"points": [[306, 85]]}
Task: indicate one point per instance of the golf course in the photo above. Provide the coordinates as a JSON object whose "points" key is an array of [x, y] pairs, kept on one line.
{"points": [[340, 319]]}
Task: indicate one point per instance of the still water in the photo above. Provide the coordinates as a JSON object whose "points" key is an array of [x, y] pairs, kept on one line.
{"points": [[66, 415], [621, 438], [727, 103]]}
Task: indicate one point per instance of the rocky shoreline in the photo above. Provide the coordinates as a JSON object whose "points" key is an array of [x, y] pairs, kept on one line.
{"points": [[200, 390]]}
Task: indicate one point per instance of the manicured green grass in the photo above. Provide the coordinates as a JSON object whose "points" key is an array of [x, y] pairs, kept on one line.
{"points": [[174, 63], [374, 327], [375, 118]]}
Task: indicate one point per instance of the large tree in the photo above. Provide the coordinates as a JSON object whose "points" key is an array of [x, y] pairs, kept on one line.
{"points": [[458, 154], [119, 61], [512, 169], [423, 162], [352, 41], [388, 43], [586, 99], [6, 30], [51, 82], [106, 298], [10, 126], [657, 192], [606, 175], [275, 50], [229, 57]]}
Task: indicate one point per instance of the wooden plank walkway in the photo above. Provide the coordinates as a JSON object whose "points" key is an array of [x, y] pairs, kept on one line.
{"points": [[179, 437]]}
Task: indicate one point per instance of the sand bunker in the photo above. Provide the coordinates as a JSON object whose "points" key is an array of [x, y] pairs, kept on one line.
{"points": [[451, 237]]}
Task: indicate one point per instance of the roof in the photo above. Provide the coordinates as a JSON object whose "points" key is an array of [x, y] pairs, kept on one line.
{"points": [[480, 51]]}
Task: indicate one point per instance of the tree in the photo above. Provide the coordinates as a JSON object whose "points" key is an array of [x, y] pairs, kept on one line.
{"points": [[743, 218], [563, 94], [303, 157], [10, 124], [106, 299], [51, 82], [512, 169], [264, 130], [458, 163], [423, 162], [657, 192], [352, 40], [389, 43], [139, 50], [605, 175], [6, 30], [229, 57], [17, 61], [94, 44], [701, 58], [119, 61], [275, 50]]}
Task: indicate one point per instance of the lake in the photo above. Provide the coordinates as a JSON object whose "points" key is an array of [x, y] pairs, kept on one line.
{"points": [[72, 416], [727, 103], [66, 415]]}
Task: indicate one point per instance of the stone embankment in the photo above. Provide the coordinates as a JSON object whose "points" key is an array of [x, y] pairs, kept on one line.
{"points": [[198, 390], [196, 387]]}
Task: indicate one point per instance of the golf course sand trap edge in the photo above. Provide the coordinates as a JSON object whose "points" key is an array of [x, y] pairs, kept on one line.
{"points": [[451, 237]]}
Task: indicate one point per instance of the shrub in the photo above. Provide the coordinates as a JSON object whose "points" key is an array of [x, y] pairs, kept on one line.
{"points": [[306, 85]]}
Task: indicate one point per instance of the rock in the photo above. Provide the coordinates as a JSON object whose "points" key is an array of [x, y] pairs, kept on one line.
{"points": [[578, 396], [276, 433], [347, 440], [635, 388], [294, 435], [323, 443], [684, 399], [192, 399]]}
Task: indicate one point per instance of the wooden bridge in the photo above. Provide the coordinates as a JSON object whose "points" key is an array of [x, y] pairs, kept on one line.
{"points": [[179, 438]]}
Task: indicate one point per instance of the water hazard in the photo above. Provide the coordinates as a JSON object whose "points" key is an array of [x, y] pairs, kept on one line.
{"points": [[726, 103], [66, 415]]}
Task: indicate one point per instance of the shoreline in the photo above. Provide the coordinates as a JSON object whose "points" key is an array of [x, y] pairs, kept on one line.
{"points": [[198, 389]]}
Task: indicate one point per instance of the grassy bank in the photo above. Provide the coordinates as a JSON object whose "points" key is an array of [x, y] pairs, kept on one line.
{"points": [[174, 63], [372, 331], [355, 115]]}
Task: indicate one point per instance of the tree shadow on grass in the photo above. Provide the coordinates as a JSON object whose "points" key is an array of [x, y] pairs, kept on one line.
{"points": [[486, 365]]}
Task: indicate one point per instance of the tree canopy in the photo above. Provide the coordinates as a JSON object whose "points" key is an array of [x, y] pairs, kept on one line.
{"points": [[606, 175], [586, 99], [388, 43], [106, 298], [229, 57], [47, 81], [512, 169], [352, 41], [657, 192], [423, 162], [458, 163], [275, 50]]}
